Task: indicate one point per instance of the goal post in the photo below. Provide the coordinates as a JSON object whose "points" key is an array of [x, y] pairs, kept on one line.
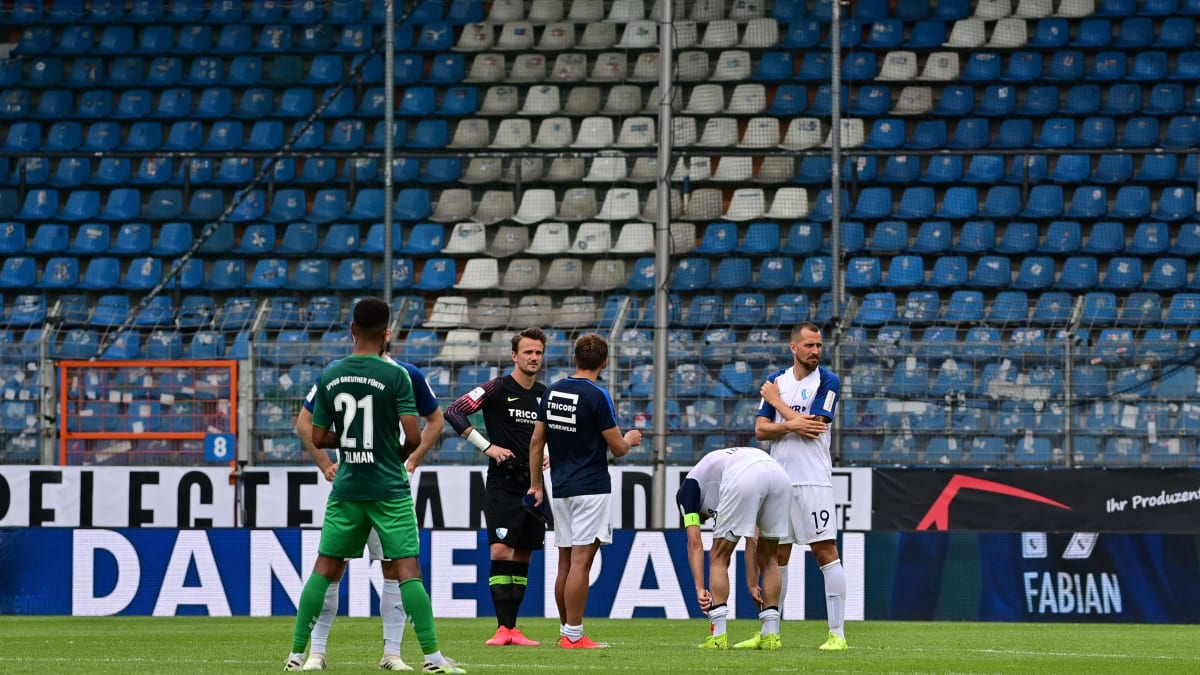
{"points": [[144, 411]]}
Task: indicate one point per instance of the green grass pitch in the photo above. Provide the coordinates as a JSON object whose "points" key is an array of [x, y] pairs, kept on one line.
{"points": [[258, 645]]}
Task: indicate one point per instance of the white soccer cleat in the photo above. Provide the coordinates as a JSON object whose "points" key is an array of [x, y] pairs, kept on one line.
{"points": [[314, 662], [393, 662]]}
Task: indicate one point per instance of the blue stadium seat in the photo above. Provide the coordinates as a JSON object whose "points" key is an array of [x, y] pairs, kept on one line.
{"points": [[58, 272], [928, 135], [1062, 237], [1088, 201], [142, 274], [984, 169], [1175, 203], [901, 169], [691, 274], [948, 170], [732, 273], [958, 100], [992, 271], [1132, 201], [1027, 169], [949, 272], [1144, 308], [775, 272], [916, 203], [877, 309], [1002, 201], [1079, 273], [1187, 241], [1155, 168], [1150, 238], [1099, 309], [1123, 274], [1023, 66], [132, 239], [12, 240], [1183, 309], [815, 273], [926, 34], [1071, 168], [436, 274], [1009, 308], [970, 133], [933, 236], [1167, 274], [1038, 100], [1045, 201], [905, 271], [862, 272], [1019, 237], [888, 236], [1036, 272], [1052, 307], [1113, 168]]}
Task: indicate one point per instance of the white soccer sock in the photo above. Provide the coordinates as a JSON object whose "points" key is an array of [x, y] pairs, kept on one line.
{"points": [[391, 608], [835, 596], [770, 621], [320, 631], [783, 574], [717, 619], [573, 633]]}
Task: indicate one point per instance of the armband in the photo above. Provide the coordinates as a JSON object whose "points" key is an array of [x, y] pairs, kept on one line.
{"points": [[690, 519], [476, 439]]}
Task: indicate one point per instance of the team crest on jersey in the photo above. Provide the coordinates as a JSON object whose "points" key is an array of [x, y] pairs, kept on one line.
{"points": [[501, 532], [804, 394]]}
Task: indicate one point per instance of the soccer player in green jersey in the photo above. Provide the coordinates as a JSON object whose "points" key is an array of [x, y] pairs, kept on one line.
{"points": [[361, 405]]}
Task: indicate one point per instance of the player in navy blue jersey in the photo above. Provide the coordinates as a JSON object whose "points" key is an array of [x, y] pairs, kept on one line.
{"points": [[509, 404], [578, 423]]}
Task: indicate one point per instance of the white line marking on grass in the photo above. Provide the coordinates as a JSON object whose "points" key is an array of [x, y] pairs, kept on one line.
{"points": [[1085, 655]]}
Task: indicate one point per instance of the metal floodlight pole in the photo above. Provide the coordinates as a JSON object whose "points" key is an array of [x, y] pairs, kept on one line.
{"points": [[389, 116], [662, 261], [838, 290]]}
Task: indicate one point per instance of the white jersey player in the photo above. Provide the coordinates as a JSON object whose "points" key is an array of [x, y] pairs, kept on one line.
{"points": [[797, 408], [739, 489]]}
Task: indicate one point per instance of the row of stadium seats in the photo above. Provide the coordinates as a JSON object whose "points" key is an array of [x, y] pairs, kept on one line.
{"points": [[1046, 201], [433, 274]]}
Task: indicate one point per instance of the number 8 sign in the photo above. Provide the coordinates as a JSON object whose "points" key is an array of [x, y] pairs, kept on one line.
{"points": [[220, 447]]}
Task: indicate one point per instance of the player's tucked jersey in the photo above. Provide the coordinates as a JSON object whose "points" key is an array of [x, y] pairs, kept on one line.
{"points": [[509, 411], [427, 401], [806, 460], [361, 399], [576, 412], [700, 492]]}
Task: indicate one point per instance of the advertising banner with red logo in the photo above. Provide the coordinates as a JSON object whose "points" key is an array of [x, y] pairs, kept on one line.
{"points": [[1096, 500]]}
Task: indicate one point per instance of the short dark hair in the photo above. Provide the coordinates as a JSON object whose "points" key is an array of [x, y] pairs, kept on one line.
{"points": [[804, 325], [532, 333], [371, 315], [591, 351]]}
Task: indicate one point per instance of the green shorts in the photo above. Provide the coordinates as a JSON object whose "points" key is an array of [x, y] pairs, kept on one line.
{"points": [[348, 523]]}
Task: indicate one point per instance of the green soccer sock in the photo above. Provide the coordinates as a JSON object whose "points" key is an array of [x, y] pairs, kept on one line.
{"points": [[418, 606], [312, 598]]}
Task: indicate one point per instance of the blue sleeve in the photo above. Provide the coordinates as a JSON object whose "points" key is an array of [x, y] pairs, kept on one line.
{"points": [[606, 413], [312, 393], [688, 497], [427, 401], [766, 409], [828, 394]]}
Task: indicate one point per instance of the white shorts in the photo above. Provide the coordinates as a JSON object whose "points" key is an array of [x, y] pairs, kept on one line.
{"points": [[580, 521], [758, 495], [812, 514]]}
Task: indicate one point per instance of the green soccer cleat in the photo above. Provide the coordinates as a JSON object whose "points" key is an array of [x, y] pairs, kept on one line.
{"points": [[752, 643], [716, 642], [771, 642], [835, 643]]}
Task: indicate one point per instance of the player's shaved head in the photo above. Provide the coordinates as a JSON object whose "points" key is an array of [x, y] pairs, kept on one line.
{"points": [[371, 317]]}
